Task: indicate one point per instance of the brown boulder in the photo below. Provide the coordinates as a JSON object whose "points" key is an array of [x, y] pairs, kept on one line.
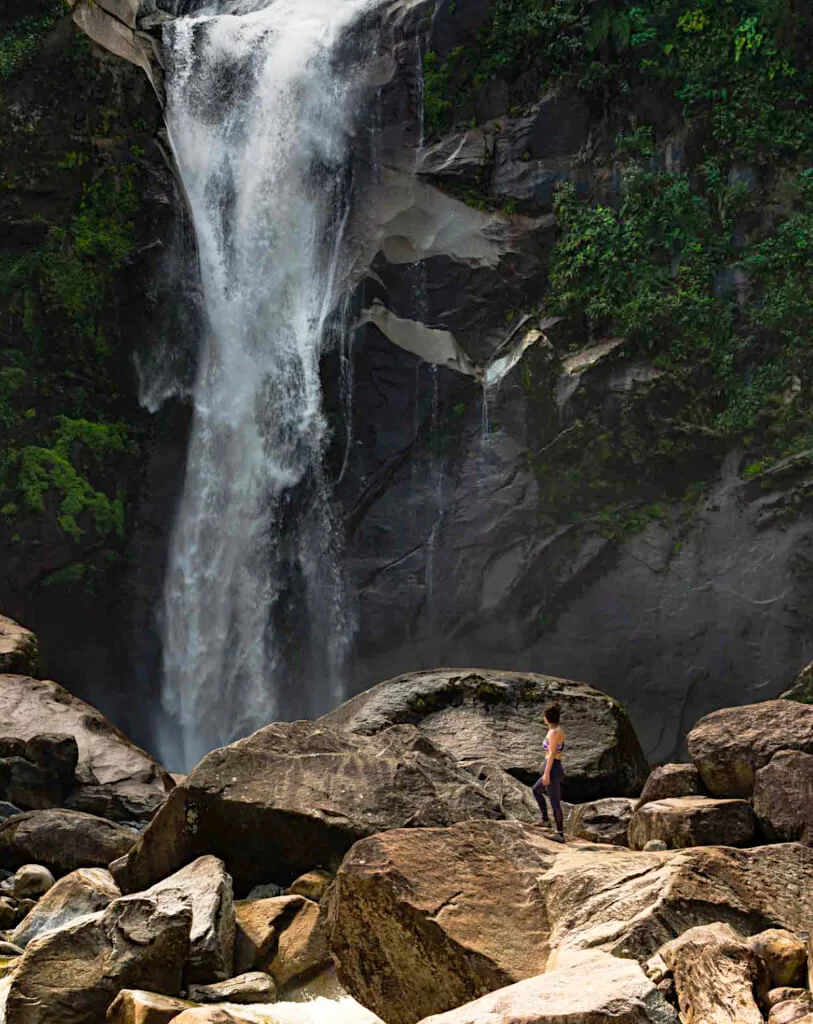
{"points": [[131, 783], [784, 956], [730, 746], [496, 716], [296, 794], [693, 821], [74, 974], [716, 974], [19, 650], [783, 797], [254, 987], [312, 885], [283, 936], [797, 1010], [62, 840], [134, 1006], [259, 924], [602, 821], [423, 921], [82, 892], [668, 780]]}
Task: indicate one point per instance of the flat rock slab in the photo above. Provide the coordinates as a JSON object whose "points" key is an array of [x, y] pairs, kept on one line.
{"points": [[730, 746], [423, 921], [62, 840], [19, 649], [297, 794], [618, 993], [668, 780], [783, 797], [693, 821], [497, 716], [124, 782]]}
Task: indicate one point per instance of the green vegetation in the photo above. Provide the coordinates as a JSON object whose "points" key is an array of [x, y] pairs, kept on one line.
{"points": [[20, 43]]}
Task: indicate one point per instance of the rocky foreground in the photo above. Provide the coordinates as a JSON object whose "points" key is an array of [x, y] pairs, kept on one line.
{"points": [[386, 862]]}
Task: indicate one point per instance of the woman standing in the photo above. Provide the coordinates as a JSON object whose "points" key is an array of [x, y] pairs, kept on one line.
{"points": [[553, 774]]}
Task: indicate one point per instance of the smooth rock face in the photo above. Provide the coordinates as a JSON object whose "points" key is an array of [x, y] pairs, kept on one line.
{"points": [[62, 840], [254, 987], [423, 921], [133, 784], [784, 956], [668, 780], [82, 892], [19, 650], [693, 821], [73, 975], [783, 797], [207, 887], [715, 974], [259, 925], [30, 882], [618, 993], [298, 794], [497, 716], [312, 885], [301, 949], [730, 746], [602, 821], [134, 1006], [284, 936]]}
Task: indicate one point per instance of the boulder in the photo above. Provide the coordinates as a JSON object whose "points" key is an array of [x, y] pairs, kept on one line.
{"points": [[730, 746], [254, 987], [38, 773], [19, 650], [207, 888], [133, 783], [716, 974], [513, 797], [802, 689], [779, 995], [13, 911], [312, 885], [693, 821], [134, 1006], [30, 882], [784, 956], [423, 921], [301, 949], [285, 937], [62, 840], [602, 821], [259, 924], [783, 797], [82, 892], [668, 780], [296, 794], [651, 845], [345, 1011], [73, 975], [618, 993], [497, 716], [797, 1010]]}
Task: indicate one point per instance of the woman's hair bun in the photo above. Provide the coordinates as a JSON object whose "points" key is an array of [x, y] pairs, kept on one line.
{"points": [[553, 713]]}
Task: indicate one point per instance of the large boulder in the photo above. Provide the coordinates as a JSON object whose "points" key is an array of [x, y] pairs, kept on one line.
{"points": [[283, 936], [82, 892], [114, 777], [208, 889], [668, 780], [19, 650], [38, 773], [783, 954], [73, 975], [62, 840], [602, 821], [497, 716], [783, 797], [693, 821], [134, 1006], [297, 794], [618, 993], [423, 921], [731, 745]]}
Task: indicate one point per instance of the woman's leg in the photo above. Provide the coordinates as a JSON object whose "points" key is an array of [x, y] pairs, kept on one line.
{"points": [[538, 791], [555, 792]]}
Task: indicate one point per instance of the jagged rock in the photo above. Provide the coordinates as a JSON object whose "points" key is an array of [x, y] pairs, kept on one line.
{"points": [[254, 987], [300, 793], [208, 889], [730, 746], [62, 840], [134, 784], [285, 937], [422, 921], [312, 885], [693, 821], [82, 892], [784, 956], [783, 797], [669, 780], [513, 797], [259, 924], [134, 1006], [19, 650], [602, 821], [29, 882], [497, 716], [798, 1010], [73, 975], [618, 991], [715, 975]]}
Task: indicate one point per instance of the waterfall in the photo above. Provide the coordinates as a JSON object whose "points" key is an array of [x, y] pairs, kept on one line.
{"points": [[259, 113]]}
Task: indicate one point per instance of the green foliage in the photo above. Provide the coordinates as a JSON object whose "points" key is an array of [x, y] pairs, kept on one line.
{"points": [[20, 43]]}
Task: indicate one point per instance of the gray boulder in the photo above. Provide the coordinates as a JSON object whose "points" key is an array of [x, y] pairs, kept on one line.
{"points": [[668, 780], [783, 797], [82, 892], [62, 840], [602, 821], [253, 987], [693, 821], [497, 716]]}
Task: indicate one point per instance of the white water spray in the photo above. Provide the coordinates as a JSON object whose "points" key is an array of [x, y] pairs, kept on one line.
{"points": [[259, 117]]}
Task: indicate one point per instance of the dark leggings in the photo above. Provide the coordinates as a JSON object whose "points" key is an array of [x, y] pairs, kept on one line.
{"points": [[554, 791]]}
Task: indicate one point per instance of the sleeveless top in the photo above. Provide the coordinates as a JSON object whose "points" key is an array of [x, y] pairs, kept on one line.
{"points": [[559, 748]]}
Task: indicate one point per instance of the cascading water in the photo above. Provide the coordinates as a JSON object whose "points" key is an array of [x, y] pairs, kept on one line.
{"points": [[259, 114]]}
